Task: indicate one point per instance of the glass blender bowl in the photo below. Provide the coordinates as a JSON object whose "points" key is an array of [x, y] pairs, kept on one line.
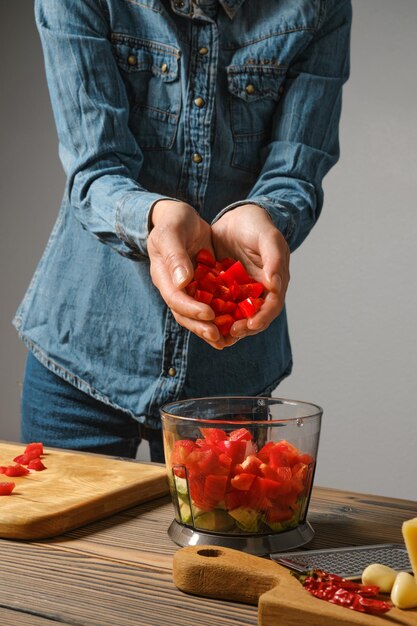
{"points": [[241, 471]]}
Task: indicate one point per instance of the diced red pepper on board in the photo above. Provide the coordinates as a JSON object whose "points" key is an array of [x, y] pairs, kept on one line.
{"points": [[22, 459], [29, 458], [16, 470], [6, 488], [37, 465]]}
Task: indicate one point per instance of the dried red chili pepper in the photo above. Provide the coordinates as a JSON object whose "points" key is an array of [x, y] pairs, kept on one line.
{"points": [[347, 593], [358, 602]]}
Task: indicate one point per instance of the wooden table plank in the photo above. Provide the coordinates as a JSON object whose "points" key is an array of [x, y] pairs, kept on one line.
{"points": [[339, 519], [88, 591], [136, 536], [118, 571], [349, 519], [9, 617]]}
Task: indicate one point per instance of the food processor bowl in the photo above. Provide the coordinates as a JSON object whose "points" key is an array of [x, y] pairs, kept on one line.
{"points": [[241, 471]]}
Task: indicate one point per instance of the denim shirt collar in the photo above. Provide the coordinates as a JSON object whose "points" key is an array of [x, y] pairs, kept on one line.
{"points": [[230, 7]]}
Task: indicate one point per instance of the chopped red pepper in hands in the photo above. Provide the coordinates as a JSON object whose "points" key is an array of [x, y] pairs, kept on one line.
{"points": [[250, 306], [226, 286], [347, 593], [206, 257]]}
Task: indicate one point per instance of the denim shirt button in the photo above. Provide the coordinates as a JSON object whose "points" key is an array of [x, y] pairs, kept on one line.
{"points": [[164, 68], [197, 158], [250, 89], [172, 371], [203, 51], [131, 59], [199, 102]]}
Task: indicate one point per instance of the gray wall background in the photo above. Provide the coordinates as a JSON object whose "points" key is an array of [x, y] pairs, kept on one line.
{"points": [[352, 301]]}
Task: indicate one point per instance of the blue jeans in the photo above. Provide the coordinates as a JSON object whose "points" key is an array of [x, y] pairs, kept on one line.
{"points": [[61, 416]]}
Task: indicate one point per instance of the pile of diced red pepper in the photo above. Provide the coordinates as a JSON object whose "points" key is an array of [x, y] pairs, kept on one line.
{"points": [[226, 286], [227, 470], [29, 460]]}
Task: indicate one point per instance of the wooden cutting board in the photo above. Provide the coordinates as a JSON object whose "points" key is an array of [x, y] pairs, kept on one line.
{"points": [[75, 489], [228, 574]]}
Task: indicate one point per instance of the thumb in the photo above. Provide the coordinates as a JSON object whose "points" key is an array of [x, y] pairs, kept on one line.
{"points": [[274, 260], [176, 260], [273, 282]]}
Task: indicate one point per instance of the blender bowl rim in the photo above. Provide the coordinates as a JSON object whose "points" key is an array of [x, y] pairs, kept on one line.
{"points": [[165, 413]]}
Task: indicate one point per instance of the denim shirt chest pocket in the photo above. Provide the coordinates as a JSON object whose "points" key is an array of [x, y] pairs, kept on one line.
{"points": [[150, 71], [255, 90]]}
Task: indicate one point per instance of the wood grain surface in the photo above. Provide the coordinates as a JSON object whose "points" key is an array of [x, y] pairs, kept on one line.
{"points": [[218, 572], [25, 618], [118, 571], [75, 489]]}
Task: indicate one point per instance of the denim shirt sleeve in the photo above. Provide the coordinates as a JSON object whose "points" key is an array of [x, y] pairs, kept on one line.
{"points": [[305, 144], [100, 156]]}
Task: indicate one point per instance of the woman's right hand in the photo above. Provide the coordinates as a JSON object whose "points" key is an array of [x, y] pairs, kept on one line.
{"points": [[177, 234]]}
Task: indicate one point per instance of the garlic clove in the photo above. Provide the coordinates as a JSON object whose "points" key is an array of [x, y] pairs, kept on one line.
{"points": [[380, 575], [404, 591]]}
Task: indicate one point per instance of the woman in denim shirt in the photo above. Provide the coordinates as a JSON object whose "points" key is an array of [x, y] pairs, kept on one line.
{"points": [[181, 125]]}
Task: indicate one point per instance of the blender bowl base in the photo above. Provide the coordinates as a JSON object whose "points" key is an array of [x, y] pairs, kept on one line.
{"points": [[254, 544]]}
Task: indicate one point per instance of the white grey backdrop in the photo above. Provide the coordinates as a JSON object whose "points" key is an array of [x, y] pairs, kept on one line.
{"points": [[352, 301]]}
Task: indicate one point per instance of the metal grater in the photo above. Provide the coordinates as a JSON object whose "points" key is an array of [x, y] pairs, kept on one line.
{"points": [[347, 562]]}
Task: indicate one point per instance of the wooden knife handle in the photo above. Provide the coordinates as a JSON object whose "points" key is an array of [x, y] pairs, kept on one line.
{"points": [[224, 573]]}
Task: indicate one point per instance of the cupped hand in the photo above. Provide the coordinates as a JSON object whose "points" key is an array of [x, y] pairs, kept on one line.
{"points": [[247, 233], [177, 234]]}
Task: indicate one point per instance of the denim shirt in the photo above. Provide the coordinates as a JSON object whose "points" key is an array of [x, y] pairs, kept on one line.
{"points": [[214, 102]]}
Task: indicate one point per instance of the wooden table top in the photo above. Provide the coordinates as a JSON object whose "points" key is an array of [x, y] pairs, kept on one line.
{"points": [[118, 572]]}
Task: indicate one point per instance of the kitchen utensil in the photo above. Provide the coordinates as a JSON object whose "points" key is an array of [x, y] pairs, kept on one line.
{"points": [[226, 574], [346, 562], [211, 505], [75, 489]]}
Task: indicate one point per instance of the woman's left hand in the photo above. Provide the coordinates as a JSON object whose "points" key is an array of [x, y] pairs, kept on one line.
{"points": [[247, 233]]}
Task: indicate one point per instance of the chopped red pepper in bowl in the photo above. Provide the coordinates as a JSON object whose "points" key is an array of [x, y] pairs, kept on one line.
{"points": [[241, 471]]}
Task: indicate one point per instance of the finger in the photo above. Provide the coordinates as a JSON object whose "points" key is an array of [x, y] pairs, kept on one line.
{"points": [[275, 256], [175, 258], [208, 332], [186, 306], [177, 300], [205, 330], [239, 329], [270, 309], [224, 342]]}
